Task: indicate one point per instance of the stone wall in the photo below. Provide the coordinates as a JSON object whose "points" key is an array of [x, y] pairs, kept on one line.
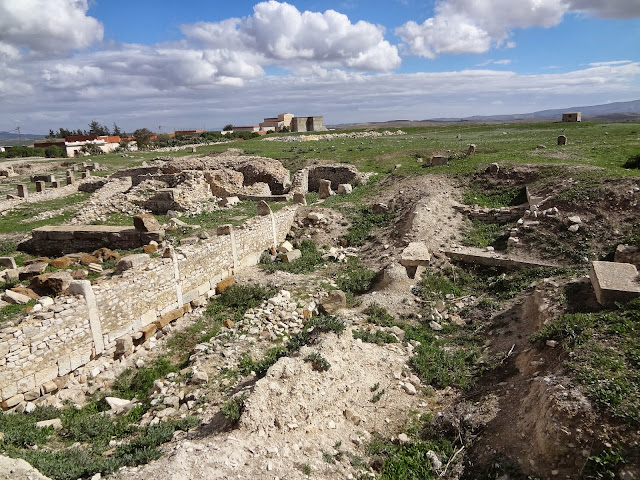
{"points": [[57, 339]]}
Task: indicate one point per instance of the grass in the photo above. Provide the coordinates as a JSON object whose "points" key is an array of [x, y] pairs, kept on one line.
{"points": [[483, 234], [503, 198], [233, 407], [363, 221], [311, 259], [136, 383], [378, 315], [17, 220], [9, 313], [604, 356], [82, 448]]}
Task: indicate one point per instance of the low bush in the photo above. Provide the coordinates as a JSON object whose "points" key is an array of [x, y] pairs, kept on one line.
{"points": [[311, 259], [379, 336], [233, 407], [318, 362], [355, 278]]}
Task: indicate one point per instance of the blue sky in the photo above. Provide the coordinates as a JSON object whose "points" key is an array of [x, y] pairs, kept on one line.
{"points": [[206, 63]]}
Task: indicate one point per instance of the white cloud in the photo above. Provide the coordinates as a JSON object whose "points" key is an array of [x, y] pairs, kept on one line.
{"points": [[281, 34], [494, 62], [47, 26], [475, 26]]}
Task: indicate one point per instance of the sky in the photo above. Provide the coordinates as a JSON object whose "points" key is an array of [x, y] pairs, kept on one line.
{"points": [[167, 65]]}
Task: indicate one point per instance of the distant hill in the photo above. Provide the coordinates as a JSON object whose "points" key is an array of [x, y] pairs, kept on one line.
{"points": [[609, 112], [9, 139]]}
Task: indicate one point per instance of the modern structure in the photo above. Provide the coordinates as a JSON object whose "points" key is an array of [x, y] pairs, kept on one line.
{"points": [[572, 117], [308, 124]]}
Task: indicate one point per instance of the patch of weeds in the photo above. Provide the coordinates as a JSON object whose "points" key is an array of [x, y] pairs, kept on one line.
{"points": [[327, 457], [137, 383], [306, 469], [9, 313], [409, 461], [362, 224], [604, 356], [505, 198], [605, 464], [440, 368], [20, 431], [379, 336], [318, 362], [378, 315], [377, 396], [88, 424], [233, 407], [236, 300], [355, 278], [436, 285], [483, 234], [311, 259]]}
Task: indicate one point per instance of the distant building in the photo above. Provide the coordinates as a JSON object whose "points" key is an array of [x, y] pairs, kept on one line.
{"points": [[252, 128], [572, 117], [276, 124], [308, 124], [73, 144], [187, 133]]}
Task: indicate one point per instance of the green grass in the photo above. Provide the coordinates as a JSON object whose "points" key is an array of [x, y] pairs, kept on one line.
{"points": [[604, 356], [378, 315], [355, 278], [482, 234], [311, 259], [363, 222], [137, 382], [10, 313], [318, 362], [12, 222], [505, 198], [233, 407]]}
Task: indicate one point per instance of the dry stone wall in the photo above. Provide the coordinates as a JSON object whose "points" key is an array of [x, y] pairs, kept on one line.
{"points": [[56, 338]]}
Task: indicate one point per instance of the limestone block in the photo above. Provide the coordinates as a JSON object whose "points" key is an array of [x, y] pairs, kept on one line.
{"points": [[12, 402], [10, 275], [15, 298], [229, 201], [62, 262], [9, 389], [124, 345], [416, 254], [225, 229], [614, 282], [64, 365], [345, 188], [79, 357], [7, 262], [46, 374], [149, 331], [26, 383], [335, 302], [147, 318], [49, 387], [263, 208], [32, 395], [290, 256], [130, 261], [56, 423], [324, 189], [58, 282], [36, 268], [285, 247], [299, 198], [146, 223], [151, 248], [224, 284], [438, 160]]}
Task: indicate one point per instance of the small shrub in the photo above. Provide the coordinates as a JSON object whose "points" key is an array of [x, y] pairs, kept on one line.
{"points": [[506, 198], [233, 407], [379, 336], [137, 383], [377, 396], [363, 222], [379, 315], [310, 260], [632, 162], [318, 362], [355, 278]]}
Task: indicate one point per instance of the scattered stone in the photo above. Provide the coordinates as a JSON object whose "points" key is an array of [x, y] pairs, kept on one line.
{"points": [[199, 378], [8, 262], [415, 254], [575, 219], [130, 261], [409, 388], [56, 423], [299, 198], [15, 298], [403, 439], [552, 343], [152, 247], [290, 256], [12, 401], [324, 189], [345, 188], [435, 461], [540, 147], [146, 223], [229, 201], [222, 285], [116, 403], [285, 247], [627, 254], [80, 274], [315, 217], [336, 301], [435, 326], [62, 262], [228, 323], [614, 282], [18, 469], [33, 270], [574, 228], [45, 301]]}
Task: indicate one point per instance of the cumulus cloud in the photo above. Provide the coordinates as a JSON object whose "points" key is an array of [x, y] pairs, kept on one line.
{"points": [[475, 26], [47, 26], [280, 33]]}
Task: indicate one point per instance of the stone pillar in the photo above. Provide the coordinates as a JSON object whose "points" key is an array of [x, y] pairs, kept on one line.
{"points": [[299, 198], [472, 149], [22, 191], [69, 177], [40, 186], [55, 184], [86, 174], [562, 140], [193, 149]]}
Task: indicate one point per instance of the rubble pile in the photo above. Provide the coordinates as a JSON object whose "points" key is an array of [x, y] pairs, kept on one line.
{"points": [[334, 136]]}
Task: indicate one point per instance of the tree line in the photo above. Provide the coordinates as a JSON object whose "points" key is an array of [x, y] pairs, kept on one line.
{"points": [[95, 128]]}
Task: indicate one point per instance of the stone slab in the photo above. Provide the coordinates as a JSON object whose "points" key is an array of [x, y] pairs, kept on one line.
{"points": [[614, 282]]}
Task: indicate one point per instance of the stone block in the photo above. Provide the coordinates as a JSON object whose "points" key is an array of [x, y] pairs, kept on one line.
{"points": [[130, 261], [64, 365], [32, 395], [290, 256], [8, 262], [55, 184], [10, 275], [229, 201], [345, 188], [56, 423], [324, 189], [46, 374], [614, 282], [146, 223], [169, 317], [58, 282], [26, 383], [224, 284], [299, 198], [79, 357], [415, 254], [225, 229], [49, 387], [285, 247], [438, 160], [147, 318], [33, 270], [263, 208], [62, 262], [336, 301], [12, 402], [149, 331], [562, 140], [151, 248], [15, 298], [124, 345], [23, 192], [40, 186]]}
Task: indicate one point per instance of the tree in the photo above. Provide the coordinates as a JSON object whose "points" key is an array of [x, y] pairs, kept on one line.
{"points": [[63, 132], [142, 137], [54, 151], [52, 134], [96, 129], [227, 128], [116, 131]]}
